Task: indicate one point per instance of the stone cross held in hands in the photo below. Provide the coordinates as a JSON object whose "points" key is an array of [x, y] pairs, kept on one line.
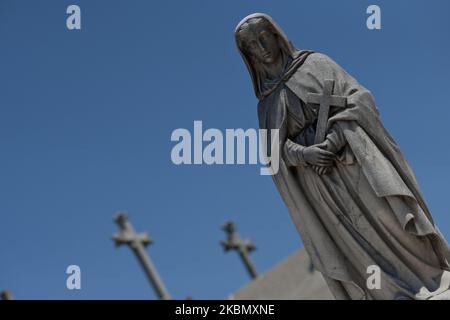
{"points": [[325, 101]]}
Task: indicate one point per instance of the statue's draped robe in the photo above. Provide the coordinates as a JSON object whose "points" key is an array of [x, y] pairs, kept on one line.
{"points": [[368, 210]]}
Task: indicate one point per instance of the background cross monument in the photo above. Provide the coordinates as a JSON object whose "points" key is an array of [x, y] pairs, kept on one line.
{"points": [[138, 242], [243, 247], [6, 295]]}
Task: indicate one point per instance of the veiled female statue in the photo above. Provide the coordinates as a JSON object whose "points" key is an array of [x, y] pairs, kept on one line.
{"points": [[352, 195]]}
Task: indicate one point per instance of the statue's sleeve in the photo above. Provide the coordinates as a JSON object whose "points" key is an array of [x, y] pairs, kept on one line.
{"points": [[335, 139], [337, 143], [293, 153]]}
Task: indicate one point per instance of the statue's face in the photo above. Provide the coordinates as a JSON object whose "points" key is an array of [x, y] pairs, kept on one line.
{"points": [[260, 41]]}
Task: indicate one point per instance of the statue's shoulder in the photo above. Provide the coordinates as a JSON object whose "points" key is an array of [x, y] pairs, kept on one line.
{"points": [[318, 58], [318, 64]]}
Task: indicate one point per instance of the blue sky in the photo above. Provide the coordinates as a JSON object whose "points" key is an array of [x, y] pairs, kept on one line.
{"points": [[86, 118]]}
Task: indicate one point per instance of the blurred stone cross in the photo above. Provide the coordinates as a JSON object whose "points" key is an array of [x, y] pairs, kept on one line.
{"points": [[6, 295], [243, 247], [325, 101], [137, 243]]}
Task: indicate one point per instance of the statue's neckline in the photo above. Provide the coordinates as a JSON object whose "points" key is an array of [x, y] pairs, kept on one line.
{"points": [[291, 66]]}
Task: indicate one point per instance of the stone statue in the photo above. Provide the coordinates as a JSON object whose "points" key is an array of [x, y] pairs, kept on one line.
{"points": [[350, 192]]}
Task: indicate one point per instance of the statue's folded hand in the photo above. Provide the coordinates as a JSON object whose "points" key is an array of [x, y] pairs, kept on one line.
{"points": [[316, 155]]}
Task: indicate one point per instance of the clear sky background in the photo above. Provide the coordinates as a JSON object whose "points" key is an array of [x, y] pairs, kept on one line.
{"points": [[86, 118]]}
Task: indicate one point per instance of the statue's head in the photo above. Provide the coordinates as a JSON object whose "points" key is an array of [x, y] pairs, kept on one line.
{"points": [[261, 42]]}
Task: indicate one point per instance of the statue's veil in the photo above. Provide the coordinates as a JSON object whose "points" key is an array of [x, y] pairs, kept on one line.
{"points": [[255, 70]]}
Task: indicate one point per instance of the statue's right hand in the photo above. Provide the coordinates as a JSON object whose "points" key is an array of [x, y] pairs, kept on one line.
{"points": [[316, 155]]}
